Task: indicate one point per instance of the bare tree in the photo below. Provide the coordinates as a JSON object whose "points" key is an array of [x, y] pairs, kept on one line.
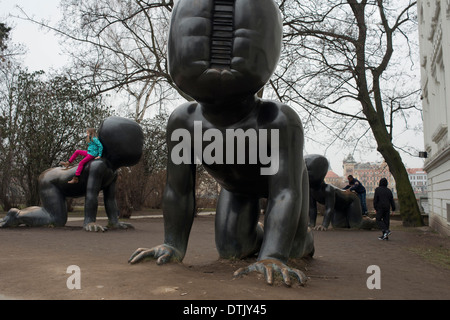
{"points": [[119, 46], [142, 184], [9, 196], [342, 63], [4, 35], [337, 64], [43, 121]]}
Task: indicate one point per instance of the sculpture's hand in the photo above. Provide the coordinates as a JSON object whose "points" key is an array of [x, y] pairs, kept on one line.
{"points": [[320, 228], [93, 227], [271, 267], [163, 253]]}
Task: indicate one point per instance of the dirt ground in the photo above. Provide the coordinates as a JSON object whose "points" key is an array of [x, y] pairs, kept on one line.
{"points": [[34, 262]]}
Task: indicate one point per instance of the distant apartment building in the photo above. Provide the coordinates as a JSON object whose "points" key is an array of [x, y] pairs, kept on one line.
{"points": [[418, 179], [335, 179], [369, 173], [434, 39]]}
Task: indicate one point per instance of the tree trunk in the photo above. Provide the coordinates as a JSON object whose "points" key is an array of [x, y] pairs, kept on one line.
{"points": [[409, 208]]}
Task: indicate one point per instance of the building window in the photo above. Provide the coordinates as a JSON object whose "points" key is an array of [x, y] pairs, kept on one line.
{"points": [[448, 210]]}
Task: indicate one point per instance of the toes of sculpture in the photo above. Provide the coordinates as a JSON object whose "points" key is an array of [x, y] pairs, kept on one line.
{"points": [[93, 227], [162, 253], [270, 268]]}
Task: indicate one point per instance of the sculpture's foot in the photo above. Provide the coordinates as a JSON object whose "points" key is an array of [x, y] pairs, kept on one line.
{"points": [[10, 220], [368, 223], [120, 225]]}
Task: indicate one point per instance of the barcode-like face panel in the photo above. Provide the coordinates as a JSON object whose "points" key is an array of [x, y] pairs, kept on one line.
{"points": [[222, 34], [223, 49]]}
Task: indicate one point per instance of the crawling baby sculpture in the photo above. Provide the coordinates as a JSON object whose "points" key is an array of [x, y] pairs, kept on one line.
{"points": [[222, 53], [122, 140], [342, 208]]}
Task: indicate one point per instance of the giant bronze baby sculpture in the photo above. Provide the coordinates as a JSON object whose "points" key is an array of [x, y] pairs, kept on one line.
{"points": [[342, 208], [221, 53], [122, 140]]}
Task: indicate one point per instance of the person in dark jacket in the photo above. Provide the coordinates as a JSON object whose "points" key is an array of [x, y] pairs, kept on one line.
{"points": [[383, 201], [356, 185]]}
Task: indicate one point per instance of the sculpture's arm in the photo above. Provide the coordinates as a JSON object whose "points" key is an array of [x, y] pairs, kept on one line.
{"points": [[286, 197], [330, 200], [280, 225], [178, 206], [111, 208], [312, 210], [93, 187], [286, 213], [179, 211]]}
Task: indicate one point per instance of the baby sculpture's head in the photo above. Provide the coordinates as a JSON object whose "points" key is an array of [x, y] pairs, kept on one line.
{"points": [[317, 166], [222, 50], [122, 141]]}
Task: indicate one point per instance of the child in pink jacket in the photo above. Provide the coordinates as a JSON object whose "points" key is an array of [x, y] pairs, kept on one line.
{"points": [[94, 151]]}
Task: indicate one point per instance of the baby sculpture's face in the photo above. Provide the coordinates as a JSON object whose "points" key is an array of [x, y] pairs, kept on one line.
{"points": [[221, 50]]}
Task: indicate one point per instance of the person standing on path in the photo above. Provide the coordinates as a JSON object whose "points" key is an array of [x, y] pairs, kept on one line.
{"points": [[383, 201]]}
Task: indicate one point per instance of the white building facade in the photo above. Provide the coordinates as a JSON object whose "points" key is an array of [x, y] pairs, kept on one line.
{"points": [[434, 37], [418, 179]]}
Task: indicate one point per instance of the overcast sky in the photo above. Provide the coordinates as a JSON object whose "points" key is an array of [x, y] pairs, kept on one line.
{"points": [[42, 46], [43, 53]]}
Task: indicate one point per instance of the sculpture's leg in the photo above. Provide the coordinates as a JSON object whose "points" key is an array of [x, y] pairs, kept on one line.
{"points": [[53, 203], [303, 244], [354, 212], [238, 234], [53, 210], [340, 217], [31, 216], [354, 216]]}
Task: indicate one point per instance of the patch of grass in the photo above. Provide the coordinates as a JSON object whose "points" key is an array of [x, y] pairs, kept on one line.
{"points": [[438, 256]]}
